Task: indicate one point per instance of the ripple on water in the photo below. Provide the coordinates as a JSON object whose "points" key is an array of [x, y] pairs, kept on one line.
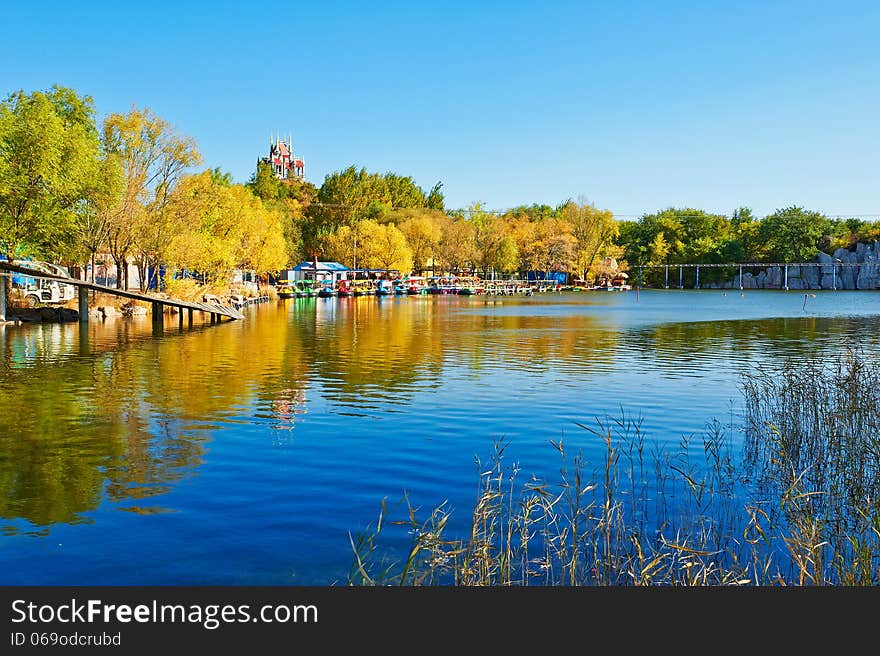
{"points": [[269, 440]]}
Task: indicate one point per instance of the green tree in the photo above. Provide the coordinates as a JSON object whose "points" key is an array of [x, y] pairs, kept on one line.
{"points": [[49, 159], [594, 231], [96, 211], [353, 194], [266, 185], [495, 245], [434, 199], [224, 179], [792, 234], [745, 245]]}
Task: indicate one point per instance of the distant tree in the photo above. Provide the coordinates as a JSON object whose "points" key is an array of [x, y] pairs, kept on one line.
{"points": [[434, 199], [495, 245], [221, 178], [745, 245], [792, 234], [457, 250], [392, 250], [265, 184], [534, 212], [594, 230], [353, 194], [422, 231]]}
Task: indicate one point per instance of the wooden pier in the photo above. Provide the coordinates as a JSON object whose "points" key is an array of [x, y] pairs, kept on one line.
{"points": [[514, 287], [216, 310]]}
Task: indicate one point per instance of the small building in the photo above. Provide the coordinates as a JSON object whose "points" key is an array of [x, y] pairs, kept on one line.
{"points": [[333, 271]]}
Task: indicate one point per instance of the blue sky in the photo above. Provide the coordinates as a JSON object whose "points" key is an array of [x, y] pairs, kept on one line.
{"points": [[634, 106]]}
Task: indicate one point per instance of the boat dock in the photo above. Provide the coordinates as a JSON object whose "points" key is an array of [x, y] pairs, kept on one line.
{"points": [[215, 309]]}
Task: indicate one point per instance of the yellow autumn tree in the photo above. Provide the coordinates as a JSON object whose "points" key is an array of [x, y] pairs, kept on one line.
{"points": [[153, 158], [422, 231], [223, 227]]}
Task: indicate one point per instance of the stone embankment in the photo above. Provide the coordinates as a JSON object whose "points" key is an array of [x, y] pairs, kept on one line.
{"points": [[62, 314], [844, 269]]}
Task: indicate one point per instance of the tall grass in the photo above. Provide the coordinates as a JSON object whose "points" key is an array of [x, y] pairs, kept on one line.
{"points": [[795, 503]]}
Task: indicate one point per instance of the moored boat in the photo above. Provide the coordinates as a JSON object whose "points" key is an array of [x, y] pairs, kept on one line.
{"points": [[466, 286], [416, 285], [304, 289], [383, 287], [284, 289], [364, 288], [441, 285]]}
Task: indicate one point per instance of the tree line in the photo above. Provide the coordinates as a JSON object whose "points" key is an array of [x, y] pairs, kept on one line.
{"points": [[692, 236], [71, 188]]}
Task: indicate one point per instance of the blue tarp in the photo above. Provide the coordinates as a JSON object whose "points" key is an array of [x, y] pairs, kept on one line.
{"points": [[159, 279], [19, 279], [556, 276]]}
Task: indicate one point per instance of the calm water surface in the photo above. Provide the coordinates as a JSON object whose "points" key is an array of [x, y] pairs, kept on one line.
{"points": [[245, 453]]}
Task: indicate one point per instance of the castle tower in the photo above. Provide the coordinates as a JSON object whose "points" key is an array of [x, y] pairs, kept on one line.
{"points": [[285, 165]]}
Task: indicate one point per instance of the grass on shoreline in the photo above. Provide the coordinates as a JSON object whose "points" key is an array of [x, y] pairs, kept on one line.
{"points": [[797, 504]]}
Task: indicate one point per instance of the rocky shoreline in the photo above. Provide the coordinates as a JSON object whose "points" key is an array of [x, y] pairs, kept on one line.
{"points": [[62, 314], [844, 269]]}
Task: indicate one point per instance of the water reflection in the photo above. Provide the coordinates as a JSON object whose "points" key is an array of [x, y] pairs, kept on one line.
{"points": [[110, 413]]}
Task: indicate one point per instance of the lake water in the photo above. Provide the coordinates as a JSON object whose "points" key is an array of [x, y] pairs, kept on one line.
{"points": [[246, 453]]}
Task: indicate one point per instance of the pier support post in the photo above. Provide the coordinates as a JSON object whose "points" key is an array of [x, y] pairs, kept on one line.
{"points": [[697, 281], [4, 281], [180, 318], [189, 313], [83, 339], [680, 277], [740, 277], [83, 305], [157, 312], [667, 276], [786, 278], [834, 277]]}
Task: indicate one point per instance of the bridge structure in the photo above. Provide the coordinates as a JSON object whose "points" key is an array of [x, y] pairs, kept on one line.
{"points": [[216, 311], [745, 265]]}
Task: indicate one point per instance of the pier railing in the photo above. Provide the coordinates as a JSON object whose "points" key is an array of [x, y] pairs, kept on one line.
{"points": [[747, 265]]}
